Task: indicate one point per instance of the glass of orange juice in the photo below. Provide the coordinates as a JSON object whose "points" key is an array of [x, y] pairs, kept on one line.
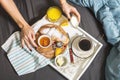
{"points": [[53, 14]]}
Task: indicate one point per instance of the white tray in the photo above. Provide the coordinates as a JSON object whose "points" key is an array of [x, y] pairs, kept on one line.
{"points": [[76, 70]]}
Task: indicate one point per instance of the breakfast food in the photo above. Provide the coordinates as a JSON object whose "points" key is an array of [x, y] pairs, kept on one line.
{"points": [[64, 23], [60, 61], [58, 37], [58, 51], [44, 41], [56, 33]]}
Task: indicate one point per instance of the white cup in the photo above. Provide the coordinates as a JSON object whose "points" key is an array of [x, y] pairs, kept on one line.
{"points": [[84, 45], [44, 41]]}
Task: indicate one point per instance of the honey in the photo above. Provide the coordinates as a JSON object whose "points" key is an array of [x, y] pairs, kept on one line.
{"points": [[44, 41]]}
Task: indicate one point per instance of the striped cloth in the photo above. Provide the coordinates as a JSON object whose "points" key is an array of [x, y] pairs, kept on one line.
{"points": [[23, 60]]}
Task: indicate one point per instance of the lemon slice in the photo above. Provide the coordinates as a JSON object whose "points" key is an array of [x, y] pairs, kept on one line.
{"points": [[58, 51], [53, 14]]}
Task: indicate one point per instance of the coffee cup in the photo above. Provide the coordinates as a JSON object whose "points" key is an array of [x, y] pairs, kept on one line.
{"points": [[83, 47], [84, 44]]}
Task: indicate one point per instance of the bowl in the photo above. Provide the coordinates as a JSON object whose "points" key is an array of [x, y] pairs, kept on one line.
{"points": [[44, 41], [61, 61]]}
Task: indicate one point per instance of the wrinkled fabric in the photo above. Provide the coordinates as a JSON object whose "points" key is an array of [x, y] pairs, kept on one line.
{"points": [[113, 64], [108, 13]]}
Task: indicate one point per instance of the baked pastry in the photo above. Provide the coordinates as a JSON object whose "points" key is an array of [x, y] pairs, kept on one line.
{"points": [[57, 34]]}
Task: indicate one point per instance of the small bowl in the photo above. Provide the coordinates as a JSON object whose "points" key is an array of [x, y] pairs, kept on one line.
{"points": [[44, 41], [61, 61]]}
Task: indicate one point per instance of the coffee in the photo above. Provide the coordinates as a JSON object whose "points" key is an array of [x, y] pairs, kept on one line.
{"points": [[85, 45]]}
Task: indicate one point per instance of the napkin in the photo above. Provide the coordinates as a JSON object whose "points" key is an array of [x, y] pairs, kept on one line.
{"points": [[23, 60]]}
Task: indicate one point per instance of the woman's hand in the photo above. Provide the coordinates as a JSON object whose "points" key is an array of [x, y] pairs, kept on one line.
{"points": [[68, 10], [28, 37], [27, 33]]}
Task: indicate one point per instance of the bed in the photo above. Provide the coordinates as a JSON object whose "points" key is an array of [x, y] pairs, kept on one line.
{"points": [[33, 10]]}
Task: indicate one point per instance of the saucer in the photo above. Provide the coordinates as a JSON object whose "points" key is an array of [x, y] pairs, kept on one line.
{"points": [[81, 53]]}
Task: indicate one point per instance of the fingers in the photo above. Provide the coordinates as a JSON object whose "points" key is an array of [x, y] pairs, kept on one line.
{"points": [[73, 11], [28, 41], [22, 43], [25, 42], [31, 39], [68, 15], [28, 44], [33, 36], [68, 10]]}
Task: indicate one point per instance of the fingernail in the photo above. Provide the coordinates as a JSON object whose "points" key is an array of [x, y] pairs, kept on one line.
{"points": [[22, 47], [68, 19], [30, 50]]}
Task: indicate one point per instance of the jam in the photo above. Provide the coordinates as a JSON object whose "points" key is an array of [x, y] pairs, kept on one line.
{"points": [[44, 41]]}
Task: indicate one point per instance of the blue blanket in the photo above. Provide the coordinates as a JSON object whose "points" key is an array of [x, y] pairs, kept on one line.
{"points": [[108, 13]]}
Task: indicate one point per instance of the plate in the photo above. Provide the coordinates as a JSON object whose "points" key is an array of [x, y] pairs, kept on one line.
{"points": [[57, 35], [78, 52]]}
